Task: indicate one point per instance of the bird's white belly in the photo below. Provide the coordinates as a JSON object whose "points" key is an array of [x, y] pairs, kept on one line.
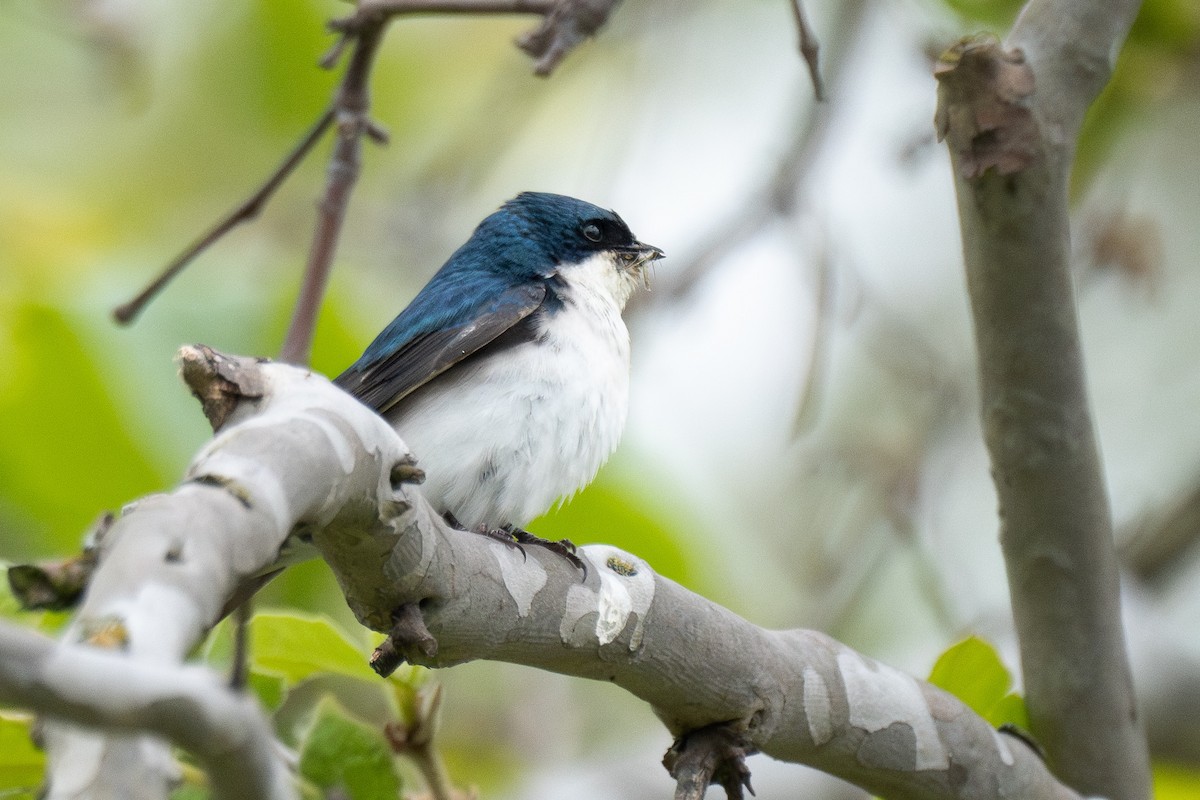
{"points": [[501, 437]]}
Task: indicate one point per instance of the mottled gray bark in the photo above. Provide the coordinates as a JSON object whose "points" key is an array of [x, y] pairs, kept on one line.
{"points": [[1010, 114]]}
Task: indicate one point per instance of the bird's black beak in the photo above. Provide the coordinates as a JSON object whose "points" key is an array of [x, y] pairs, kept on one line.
{"points": [[637, 256], [648, 252]]}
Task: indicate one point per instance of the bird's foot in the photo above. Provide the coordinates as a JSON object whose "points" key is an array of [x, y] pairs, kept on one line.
{"points": [[513, 536], [562, 547], [502, 535]]}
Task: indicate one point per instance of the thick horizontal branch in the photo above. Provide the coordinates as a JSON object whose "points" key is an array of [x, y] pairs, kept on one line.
{"points": [[795, 695], [295, 457]]}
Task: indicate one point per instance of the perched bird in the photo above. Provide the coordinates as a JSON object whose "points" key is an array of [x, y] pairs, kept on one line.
{"points": [[508, 374]]}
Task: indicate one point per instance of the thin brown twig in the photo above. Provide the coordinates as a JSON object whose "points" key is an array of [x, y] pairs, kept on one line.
{"points": [[565, 24], [380, 9], [351, 108], [809, 48], [239, 672], [1156, 544], [415, 738], [248, 210]]}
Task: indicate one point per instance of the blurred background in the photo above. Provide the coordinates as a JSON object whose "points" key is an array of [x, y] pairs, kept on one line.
{"points": [[803, 444]]}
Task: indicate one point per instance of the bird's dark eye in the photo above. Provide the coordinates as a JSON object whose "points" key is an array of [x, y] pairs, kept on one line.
{"points": [[591, 232]]}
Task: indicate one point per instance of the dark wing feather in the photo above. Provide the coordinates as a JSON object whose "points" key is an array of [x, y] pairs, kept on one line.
{"points": [[382, 382]]}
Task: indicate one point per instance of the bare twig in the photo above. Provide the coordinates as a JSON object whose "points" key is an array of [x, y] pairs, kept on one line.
{"points": [[248, 210], [415, 738], [1157, 542], [381, 9], [351, 108], [408, 633], [779, 194], [564, 27], [809, 48], [239, 672]]}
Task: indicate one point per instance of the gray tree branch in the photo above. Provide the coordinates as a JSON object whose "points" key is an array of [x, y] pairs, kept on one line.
{"points": [[168, 566], [1010, 115], [295, 458], [227, 731]]}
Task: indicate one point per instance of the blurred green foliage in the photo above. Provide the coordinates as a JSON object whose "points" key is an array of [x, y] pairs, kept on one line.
{"points": [[21, 764], [57, 416], [1174, 782], [1157, 58], [609, 511]]}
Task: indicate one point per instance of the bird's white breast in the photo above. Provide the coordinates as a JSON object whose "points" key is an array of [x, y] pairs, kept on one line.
{"points": [[501, 437]]}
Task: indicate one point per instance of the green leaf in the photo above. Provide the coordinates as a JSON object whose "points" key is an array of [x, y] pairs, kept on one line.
{"points": [[269, 689], [1009, 710], [296, 647], [190, 792], [973, 672], [997, 14], [339, 752], [404, 684], [21, 764]]}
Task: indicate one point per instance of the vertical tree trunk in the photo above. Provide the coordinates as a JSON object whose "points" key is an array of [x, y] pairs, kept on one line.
{"points": [[1010, 115]]}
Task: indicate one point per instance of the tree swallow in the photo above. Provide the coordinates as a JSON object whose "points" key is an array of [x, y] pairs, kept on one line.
{"points": [[508, 374]]}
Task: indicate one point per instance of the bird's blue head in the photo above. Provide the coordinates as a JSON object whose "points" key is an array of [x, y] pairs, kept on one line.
{"points": [[535, 234]]}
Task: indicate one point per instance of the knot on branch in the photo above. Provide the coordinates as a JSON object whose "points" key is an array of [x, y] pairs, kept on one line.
{"points": [[982, 112], [408, 636], [714, 754], [563, 29], [58, 585], [219, 381], [51, 585]]}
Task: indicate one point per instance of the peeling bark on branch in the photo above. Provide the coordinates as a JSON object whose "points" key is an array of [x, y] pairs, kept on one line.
{"points": [[984, 117], [295, 456]]}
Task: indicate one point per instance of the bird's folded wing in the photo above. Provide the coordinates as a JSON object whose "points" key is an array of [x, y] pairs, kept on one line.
{"points": [[384, 381]]}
